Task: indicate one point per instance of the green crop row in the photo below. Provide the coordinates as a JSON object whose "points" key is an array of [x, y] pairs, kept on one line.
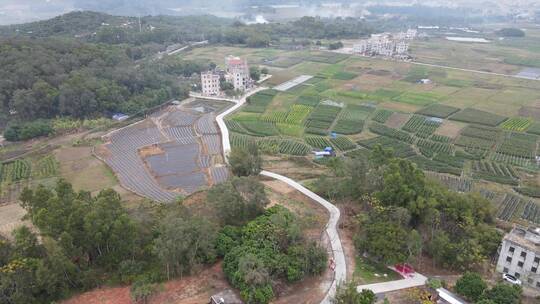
{"points": [[298, 114], [318, 142], [516, 124], [386, 131], [15, 171], [471, 115], [343, 143], [348, 126], [382, 115], [399, 148], [438, 110]]}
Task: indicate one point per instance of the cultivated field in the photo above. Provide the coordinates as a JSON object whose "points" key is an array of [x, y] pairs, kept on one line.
{"points": [[468, 125], [174, 152]]}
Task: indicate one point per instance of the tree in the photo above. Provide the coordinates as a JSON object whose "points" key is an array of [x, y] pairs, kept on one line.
{"points": [[264, 71], [382, 238], [503, 293], [348, 294], [238, 200], [510, 32], [254, 73], [335, 45], [26, 244], [184, 242], [142, 290], [471, 286], [246, 161]]}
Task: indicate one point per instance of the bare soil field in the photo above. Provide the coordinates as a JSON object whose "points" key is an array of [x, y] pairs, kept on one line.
{"points": [[83, 170], [399, 106], [11, 218], [299, 170], [397, 120], [450, 129], [368, 82]]}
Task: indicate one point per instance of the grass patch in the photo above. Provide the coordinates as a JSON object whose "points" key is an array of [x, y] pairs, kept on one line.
{"points": [[367, 272], [419, 99], [471, 115], [438, 110]]}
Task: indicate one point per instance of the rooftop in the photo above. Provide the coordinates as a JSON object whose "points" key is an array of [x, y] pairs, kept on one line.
{"points": [[528, 238], [226, 296]]}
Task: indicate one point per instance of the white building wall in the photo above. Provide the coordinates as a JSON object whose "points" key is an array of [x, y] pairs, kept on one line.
{"points": [[520, 262], [210, 84]]}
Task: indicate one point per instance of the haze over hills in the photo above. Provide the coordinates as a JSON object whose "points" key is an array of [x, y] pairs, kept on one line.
{"points": [[21, 11]]}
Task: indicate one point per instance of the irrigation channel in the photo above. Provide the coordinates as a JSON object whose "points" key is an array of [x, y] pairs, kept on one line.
{"points": [[340, 270]]}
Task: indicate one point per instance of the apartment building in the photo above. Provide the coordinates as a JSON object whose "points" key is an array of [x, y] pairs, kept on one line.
{"points": [[519, 255], [383, 45], [210, 83], [237, 73]]}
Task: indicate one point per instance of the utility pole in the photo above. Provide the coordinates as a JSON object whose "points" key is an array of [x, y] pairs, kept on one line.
{"points": [[140, 26]]}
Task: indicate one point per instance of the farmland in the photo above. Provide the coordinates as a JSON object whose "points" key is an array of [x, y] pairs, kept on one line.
{"points": [[471, 115], [469, 126]]}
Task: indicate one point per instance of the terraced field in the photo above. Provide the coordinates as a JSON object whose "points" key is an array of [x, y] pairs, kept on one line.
{"points": [[180, 147]]}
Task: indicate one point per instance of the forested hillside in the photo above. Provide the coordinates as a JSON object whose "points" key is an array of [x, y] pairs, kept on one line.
{"points": [[46, 78], [87, 64]]}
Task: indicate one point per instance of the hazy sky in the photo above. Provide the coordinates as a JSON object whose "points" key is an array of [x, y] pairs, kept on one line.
{"points": [[19, 11]]}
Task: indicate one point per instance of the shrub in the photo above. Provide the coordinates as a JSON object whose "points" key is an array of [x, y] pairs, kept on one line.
{"points": [[471, 285]]}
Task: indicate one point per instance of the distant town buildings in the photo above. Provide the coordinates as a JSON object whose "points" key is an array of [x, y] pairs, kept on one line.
{"points": [[386, 45], [236, 73], [519, 255]]}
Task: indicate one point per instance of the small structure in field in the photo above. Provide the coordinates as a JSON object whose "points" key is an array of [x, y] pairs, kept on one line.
{"points": [[120, 116], [225, 297]]}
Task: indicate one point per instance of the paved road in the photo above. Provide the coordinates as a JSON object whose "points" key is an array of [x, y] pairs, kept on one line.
{"points": [[225, 143], [340, 270], [472, 71], [414, 280]]}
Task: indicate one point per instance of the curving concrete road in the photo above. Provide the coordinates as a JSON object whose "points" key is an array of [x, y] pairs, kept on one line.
{"points": [[414, 280], [340, 270], [225, 142]]}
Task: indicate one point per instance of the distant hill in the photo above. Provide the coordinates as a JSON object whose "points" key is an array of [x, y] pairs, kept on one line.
{"points": [[86, 24], [70, 24]]}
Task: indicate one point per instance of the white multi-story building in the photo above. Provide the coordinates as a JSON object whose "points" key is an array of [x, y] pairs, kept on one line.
{"points": [[237, 73], [384, 45], [519, 255], [210, 83]]}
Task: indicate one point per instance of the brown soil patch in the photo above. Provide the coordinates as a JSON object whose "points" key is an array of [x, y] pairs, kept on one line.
{"points": [[150, 150], [299, 169], [67, 154], [83, 170], [11, 218], [397, 120], [189, 290], [401, 107], [450, 129], [380, 72], [533, 112], [368, 82]]}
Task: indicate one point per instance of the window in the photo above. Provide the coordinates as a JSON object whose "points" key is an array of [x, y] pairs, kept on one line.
{"points": [[509, 259], [537, 259], [512, 249], [505, 270], [530, 280], [520, 264], [517, 275], [534, 269], [523, 254], [538, 284]]}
